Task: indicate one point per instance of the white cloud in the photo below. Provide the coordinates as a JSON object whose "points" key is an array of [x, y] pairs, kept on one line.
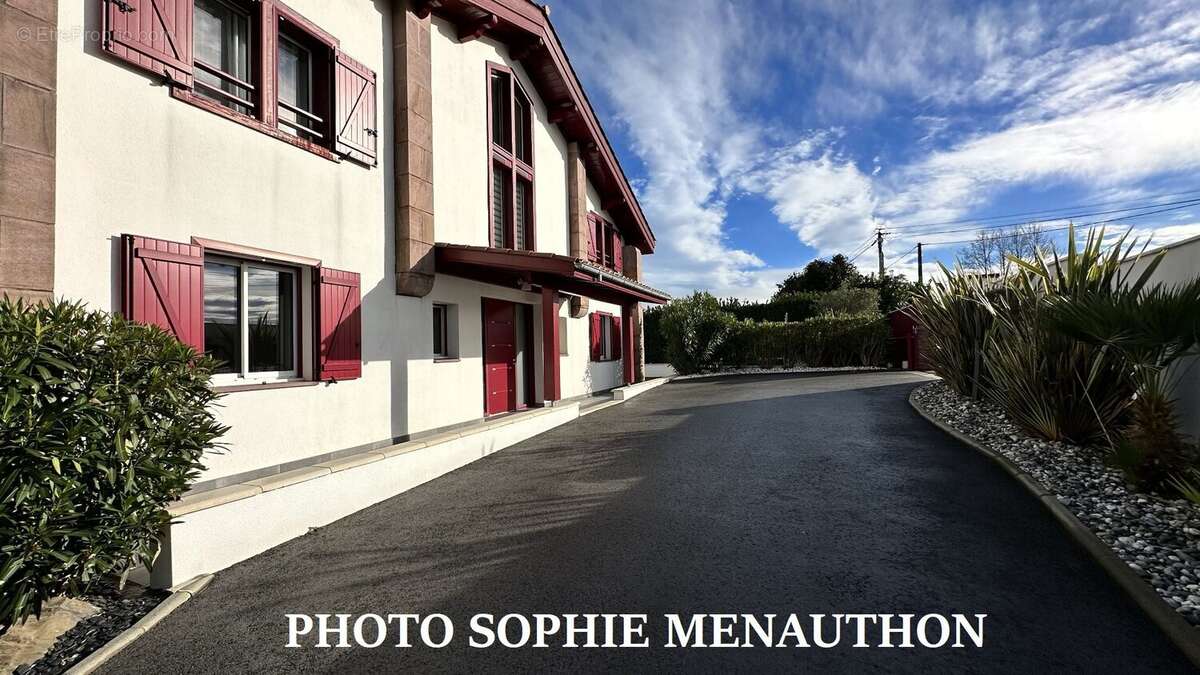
{"points": [[1029, 96]]}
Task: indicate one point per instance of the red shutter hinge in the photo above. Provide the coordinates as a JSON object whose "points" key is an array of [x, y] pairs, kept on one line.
{"points": [[124, 7]]}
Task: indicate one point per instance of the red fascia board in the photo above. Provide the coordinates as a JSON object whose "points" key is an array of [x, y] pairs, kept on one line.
{"points": [[619, 288], [527, 17]]}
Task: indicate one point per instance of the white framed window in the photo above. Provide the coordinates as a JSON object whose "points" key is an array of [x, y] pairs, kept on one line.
{"points": [[251, 320], [445, 331], [562, 336], [441, 337]]}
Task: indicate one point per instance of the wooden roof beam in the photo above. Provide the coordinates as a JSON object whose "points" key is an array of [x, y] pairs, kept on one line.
{"points": [[526, 50], [476, 30], [423, 8], [561, 112]]}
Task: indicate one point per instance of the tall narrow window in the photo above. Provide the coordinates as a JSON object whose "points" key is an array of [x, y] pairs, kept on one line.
{"points": [[511, 131], [522, 127], [222, 53], [440, 348], [501, 181], [522, 212], [297, 114]]}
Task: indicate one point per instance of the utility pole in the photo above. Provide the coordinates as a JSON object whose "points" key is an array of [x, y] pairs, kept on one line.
{"points": [[920, 267], [879, 245]]}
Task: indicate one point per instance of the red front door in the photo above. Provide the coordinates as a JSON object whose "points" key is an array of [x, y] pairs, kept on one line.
{"points": [[499, 356]]}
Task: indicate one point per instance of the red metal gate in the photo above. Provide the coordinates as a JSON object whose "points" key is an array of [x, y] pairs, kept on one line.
{"points": [[905, 344]]}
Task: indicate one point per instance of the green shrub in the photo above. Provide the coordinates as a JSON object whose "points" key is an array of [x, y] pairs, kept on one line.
{"points": [[786, 307], [694, 329], [848, 301], [104, 422]]}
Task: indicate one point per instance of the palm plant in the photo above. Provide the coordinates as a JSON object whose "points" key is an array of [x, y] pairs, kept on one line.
{"points": [[1150, 329]]}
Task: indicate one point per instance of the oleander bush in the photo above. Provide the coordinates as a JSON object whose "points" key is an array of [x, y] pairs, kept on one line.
{"points": [[694, 329], [102, 423]]}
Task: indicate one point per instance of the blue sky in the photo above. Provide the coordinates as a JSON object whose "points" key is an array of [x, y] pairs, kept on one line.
{"points": [[760, 134]]}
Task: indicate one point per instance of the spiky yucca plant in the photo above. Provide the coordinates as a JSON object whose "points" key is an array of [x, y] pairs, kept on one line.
{"points": [[1051, 383], [955, 322]]}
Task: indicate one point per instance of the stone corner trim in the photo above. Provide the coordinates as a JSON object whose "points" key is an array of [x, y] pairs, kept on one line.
{"points": [[28, 78], [413, 120], [1185, 637]]}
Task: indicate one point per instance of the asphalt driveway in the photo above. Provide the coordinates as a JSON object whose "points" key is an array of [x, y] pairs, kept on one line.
{"points": [[743, 494]]}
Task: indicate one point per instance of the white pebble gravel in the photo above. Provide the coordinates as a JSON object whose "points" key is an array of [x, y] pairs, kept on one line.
{"points": [[1159, 538]]}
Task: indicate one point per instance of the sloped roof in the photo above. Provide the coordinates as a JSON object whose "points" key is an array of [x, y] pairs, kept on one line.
{"points": [[525, 27]]}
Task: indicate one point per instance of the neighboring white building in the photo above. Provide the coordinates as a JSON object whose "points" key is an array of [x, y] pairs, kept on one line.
{"points": [[389, 219]]}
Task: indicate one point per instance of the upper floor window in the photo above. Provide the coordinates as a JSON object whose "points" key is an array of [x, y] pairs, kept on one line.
{"points": [[303, 82], [606, 246], [256, 62], [510, 133], [222, 54]]}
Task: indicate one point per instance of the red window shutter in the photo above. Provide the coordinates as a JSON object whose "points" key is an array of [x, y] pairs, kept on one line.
{"points": [[164, 286], [339, 327], [597, 346], [154, 35], [618, 253], [591, 238], [616, 337], [357, 132]]}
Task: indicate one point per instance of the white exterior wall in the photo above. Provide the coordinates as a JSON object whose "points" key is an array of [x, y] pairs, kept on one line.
{"points": [[460, 203], [132, 159]]}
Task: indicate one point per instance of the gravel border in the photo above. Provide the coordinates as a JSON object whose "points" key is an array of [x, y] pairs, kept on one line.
{"points": [[1148, 543], [780, 371], [119, 609]]}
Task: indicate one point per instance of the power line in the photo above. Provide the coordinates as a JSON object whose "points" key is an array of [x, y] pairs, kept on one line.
{"points": [[865, 247], [1185, 203], [1066, 227], [1046, 211]]}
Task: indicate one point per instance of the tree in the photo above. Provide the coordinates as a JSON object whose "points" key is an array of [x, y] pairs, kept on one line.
{"points": [[990, 252], [895, 290], [821, 276]]}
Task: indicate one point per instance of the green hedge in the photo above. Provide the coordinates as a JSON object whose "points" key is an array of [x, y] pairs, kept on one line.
{"points": [[823, 341], [102, 423]]}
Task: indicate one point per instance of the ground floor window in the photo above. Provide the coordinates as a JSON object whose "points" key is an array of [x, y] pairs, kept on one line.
{"points": [[250, 319], [441, 348], [607, 351], [445, 331]]}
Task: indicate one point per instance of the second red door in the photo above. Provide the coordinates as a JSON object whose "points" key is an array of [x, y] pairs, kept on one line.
{"points": [[499, 356]]}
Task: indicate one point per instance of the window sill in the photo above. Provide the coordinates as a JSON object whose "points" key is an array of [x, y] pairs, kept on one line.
{"points": [[254, 123], [446, 359], [283, 384]]}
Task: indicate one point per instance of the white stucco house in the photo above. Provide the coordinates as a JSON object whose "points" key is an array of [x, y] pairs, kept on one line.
{"points": [[397, 224]]}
